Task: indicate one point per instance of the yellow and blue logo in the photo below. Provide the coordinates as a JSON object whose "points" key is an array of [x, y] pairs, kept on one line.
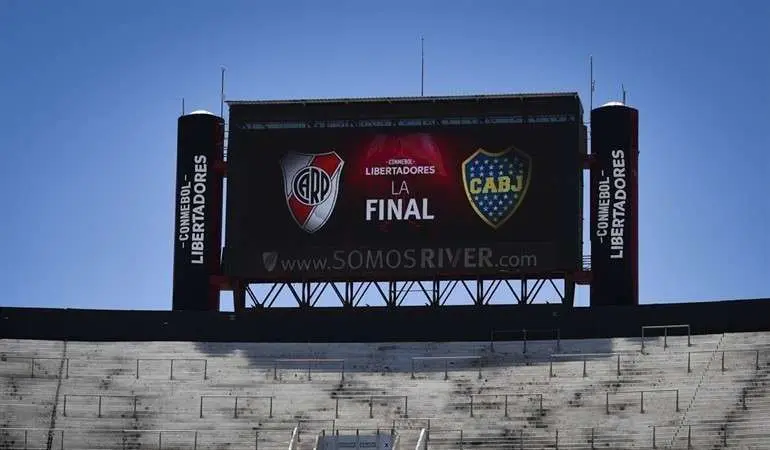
{"points": [[495, 183]]}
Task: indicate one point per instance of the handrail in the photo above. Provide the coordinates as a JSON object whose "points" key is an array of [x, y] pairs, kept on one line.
{"points": [[171, 363], [107, 360], [335, 434], [235, 406], [567, 355], [422, 441], [523, 332], [756, 351], [665, 333], [139, 430], [395, 423], [371, 403], [100, 396], [506, 395], [641, 392], [585, 371], [294, 438], [397, 441], [310, 365], [46, 358], [310, 359], [583, 435], [446, 360], [444, 357], [713, 430], [370, 399]]}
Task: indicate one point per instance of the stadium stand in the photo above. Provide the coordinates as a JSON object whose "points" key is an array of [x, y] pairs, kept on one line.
{"points": [[703, 391]]}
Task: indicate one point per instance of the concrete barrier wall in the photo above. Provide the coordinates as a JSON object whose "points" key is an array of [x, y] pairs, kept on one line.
{"points": [[380, 324]]}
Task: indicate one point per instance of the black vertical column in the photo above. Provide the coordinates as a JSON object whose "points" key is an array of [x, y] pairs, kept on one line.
{"points": [[614, 205], [198, 210]]}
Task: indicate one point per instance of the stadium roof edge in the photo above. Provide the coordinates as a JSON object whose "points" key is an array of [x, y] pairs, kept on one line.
{"points": [[400, 99]]}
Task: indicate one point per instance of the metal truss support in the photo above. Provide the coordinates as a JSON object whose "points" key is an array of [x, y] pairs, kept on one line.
{"points": [[308, 293], [352, 294], [435, 294], [525, 295], [270, 297], [393, 293]]}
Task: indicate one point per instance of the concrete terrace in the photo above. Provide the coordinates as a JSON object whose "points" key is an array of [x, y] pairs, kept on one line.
{"points": [[567, 394]]}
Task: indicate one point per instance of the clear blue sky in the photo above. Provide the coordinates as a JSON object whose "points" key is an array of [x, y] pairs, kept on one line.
{"points": [[90, 94]]}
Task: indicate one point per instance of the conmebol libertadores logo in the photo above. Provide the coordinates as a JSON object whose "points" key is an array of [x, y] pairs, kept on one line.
{"points": [[311, 184]]}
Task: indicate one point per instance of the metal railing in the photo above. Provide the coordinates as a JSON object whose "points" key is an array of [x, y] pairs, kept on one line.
{"points": [[32, 360], [309, 362], [6, 431], [446, 360], [401, 423], [294, 438], [171, 365], [702, 435], [173, 362], [641, 397], [123, 433], [512, 437], [422, 441], [378, 433], [593, 438], [539, 396], [235, 403], [134, 398], [584, 437], [524, 333], [665, 329], [370, 400], [373, 397], [755, 351], [584, 357]]}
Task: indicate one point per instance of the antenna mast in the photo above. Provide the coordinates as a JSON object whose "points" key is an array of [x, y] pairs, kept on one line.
{"points": [[593, 83], [222, 94], [623, 88], [183, 106], [422, 66]]}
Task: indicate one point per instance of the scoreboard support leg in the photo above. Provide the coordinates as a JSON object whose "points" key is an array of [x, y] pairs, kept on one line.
{"points": [[569, 292], [239, 296]]}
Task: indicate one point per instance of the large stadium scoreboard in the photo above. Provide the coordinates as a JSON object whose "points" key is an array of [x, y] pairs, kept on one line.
{"points": [[425, 188]]}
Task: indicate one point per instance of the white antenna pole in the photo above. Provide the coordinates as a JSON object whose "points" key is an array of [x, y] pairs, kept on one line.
{"points": [[422, 66], [593, 83], [222, 94]]}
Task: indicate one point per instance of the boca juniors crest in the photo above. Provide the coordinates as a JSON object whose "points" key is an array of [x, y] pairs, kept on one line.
{"points": [[495, 183], [311, 184]]}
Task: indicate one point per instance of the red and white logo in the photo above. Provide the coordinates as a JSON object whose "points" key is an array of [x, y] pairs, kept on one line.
{"points": [[311, 184]]}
